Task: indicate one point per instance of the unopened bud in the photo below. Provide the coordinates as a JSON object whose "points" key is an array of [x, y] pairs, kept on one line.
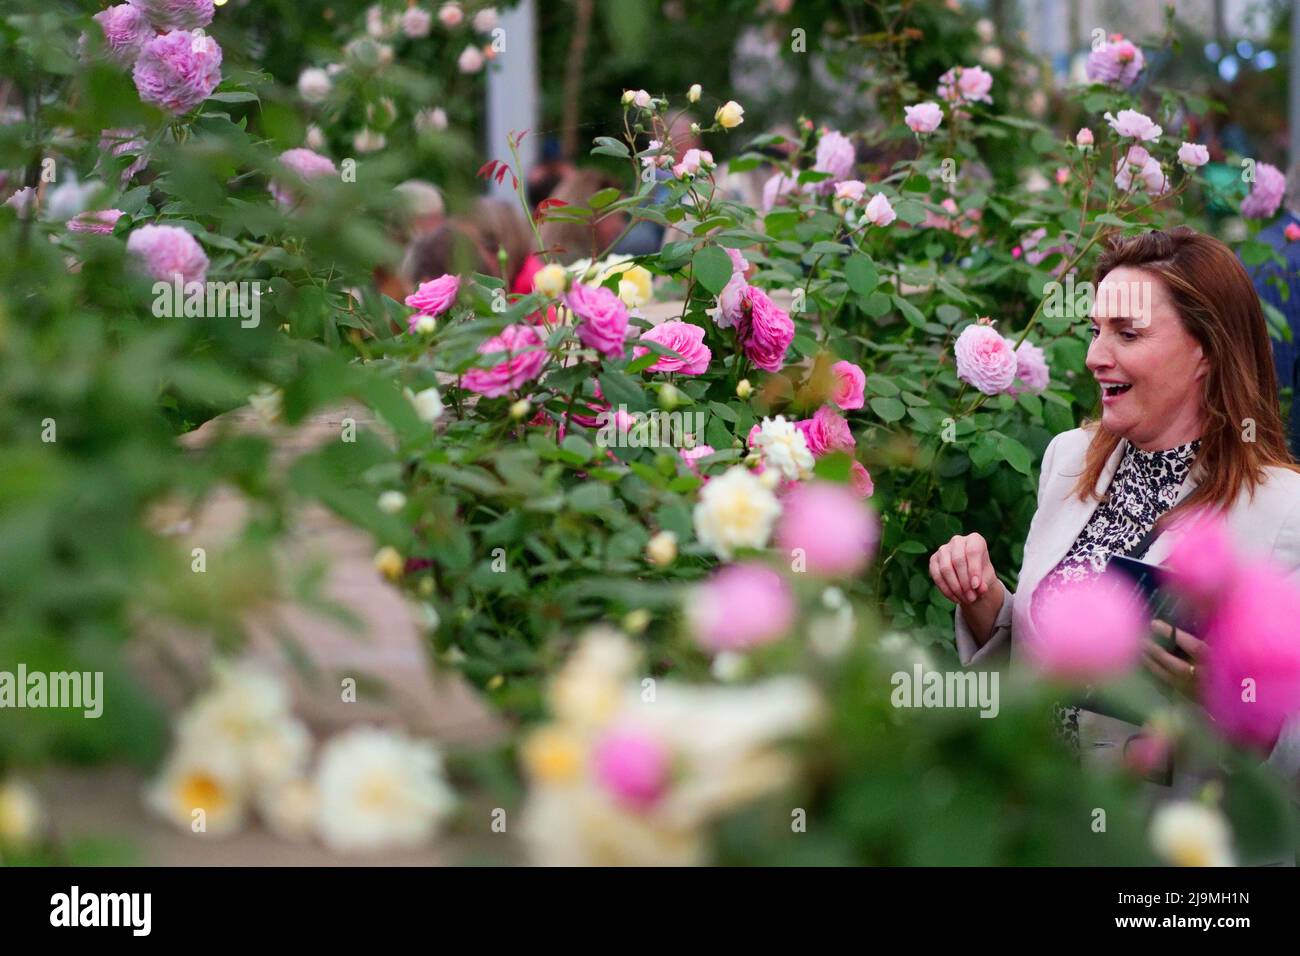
{"points": [[389, 563], [744, 389]]}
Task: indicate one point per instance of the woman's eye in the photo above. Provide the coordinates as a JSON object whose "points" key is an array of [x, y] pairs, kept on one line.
{"points": [[1128, 335], [1095, 330]]}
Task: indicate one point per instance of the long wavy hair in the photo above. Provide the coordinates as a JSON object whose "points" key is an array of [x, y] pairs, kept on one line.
{"points": [[1218, 307]]}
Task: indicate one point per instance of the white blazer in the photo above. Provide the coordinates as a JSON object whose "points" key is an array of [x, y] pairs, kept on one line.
{"points": [[1267, 524]]}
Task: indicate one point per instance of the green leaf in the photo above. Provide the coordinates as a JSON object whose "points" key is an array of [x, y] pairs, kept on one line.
{"points": [[712, 268], [603, 198], [608, 146], [1016, 454], [860, 274], [889, 409], [619, 389]]}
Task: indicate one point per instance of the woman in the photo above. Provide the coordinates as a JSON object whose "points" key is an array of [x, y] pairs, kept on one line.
{"points": [[1189, 419]]}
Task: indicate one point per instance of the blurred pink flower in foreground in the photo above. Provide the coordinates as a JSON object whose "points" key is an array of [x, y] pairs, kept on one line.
{"points": [[101, 221], [1088, 630], [167, 252], [739, 607], [306, 164], [835, 531], [633, 767], [1250, 680]]}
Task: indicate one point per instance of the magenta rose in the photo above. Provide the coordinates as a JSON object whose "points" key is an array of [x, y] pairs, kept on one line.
{"points": [[432, 298], [307, 164], [848, 385], [167, 252], [525, 357], [126, 31], [827, 431], [603, 318], [985, 359], [634, 767], [765, 331], [1088, 630], [177, 71], [686, 340]]}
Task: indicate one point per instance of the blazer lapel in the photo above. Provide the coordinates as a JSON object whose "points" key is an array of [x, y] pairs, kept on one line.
{"points": [[1072, 515]]}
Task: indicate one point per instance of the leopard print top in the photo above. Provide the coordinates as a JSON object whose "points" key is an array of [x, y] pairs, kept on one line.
{"points": [[1146, 485]]}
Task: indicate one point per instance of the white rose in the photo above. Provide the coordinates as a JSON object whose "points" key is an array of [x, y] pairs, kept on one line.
{"points": [[735, 510], [314, 84]]}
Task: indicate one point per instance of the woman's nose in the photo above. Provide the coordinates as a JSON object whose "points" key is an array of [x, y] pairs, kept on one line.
{"points": [[1098, 355]]}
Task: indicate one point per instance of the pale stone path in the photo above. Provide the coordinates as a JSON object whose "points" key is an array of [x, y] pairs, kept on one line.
{"points": [[387, 655]]}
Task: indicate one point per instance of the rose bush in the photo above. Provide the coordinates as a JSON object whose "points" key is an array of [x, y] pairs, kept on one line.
{"points": [[845, 373]]}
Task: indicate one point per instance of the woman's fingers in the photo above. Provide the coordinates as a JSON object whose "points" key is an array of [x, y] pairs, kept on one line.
{"points": [[1193, 645], [949, 575], [958, 551], [975, 560]]}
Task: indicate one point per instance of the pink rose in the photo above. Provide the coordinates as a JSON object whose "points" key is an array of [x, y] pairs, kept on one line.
{"points": [[432, 298], [1116, 63], [731, 300], [693, 160], [848, 385], [691, 455], [526, 356], [306, 164], [177, 71], [633, 767], [1088, 630], [776, 187], [1203, 561], [739, 607], [1193, 155], [835, 155], [860, 480], [1084, 137], [125, 141], [1292, 232], [1031, 370], [1134, 124], [966, 84], [879, 212], [167, 252], [831, 525], [1138, 161], [126, 31], [923, 117], [827, 431], [603, 318], [176, 14], [100, 222], [985, 359], [765, 331], [685, 339], [851, 189], [1266, 195]]}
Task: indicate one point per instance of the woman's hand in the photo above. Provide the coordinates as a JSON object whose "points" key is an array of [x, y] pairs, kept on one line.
{"points": [[1173, 670], [963, 571]]}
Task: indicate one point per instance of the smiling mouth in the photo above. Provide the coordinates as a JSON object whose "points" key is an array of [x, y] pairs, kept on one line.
{"points": [[1110, 391]]}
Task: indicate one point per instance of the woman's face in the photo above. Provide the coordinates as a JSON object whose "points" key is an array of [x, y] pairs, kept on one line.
{"points": [[1148, 365]]}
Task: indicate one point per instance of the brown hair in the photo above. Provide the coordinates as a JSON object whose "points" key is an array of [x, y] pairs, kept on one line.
{"points": [[1219, 308], [567, 240], [502, 226], [455, 247]]}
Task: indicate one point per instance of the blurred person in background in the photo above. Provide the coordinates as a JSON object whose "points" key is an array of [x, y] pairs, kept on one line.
{"points": [[419, 211], [1284, 236], [570, 241], [506, 235], [455, 248]]}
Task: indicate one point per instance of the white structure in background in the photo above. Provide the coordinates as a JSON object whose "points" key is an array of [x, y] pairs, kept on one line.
{"points": [[512, 90]]}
